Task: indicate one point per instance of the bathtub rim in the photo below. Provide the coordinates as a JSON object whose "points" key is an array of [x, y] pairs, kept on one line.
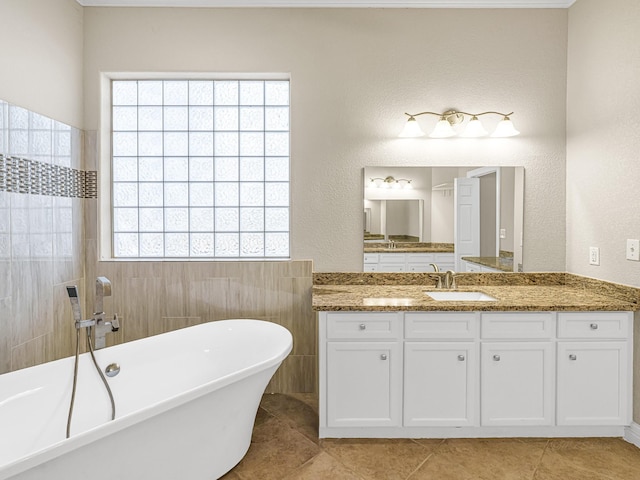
{"points": [[79, 440]]}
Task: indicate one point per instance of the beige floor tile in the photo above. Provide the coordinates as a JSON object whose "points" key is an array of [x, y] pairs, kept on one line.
{"points": [[296, 413], [323, 467], [231, 476], [483, 459], [375, 459], [607, 458], [310, 399], [285, 446], [276, 450]]}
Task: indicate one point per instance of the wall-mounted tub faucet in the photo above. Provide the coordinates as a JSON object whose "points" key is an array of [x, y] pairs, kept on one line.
{"points": [[101, 325]]}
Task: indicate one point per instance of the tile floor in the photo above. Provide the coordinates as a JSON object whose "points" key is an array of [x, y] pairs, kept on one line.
{"points": [[285, 446]]}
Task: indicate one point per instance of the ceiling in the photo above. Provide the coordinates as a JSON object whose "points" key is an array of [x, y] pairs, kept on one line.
{"points": [[334, 3]]}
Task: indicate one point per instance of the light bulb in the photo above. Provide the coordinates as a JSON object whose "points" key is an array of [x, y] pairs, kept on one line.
{"points": [[505, 129], [443, 129], [411, 129], [474, 129]]}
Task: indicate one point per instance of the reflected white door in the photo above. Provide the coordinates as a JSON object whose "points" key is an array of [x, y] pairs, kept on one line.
{"points": [[466, 234]]}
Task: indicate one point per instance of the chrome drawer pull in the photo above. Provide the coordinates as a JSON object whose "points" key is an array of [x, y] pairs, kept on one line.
{"points": [[572, 357], [594, 326], [496, 358], [363, 326], [461, 358], [383, 356]]}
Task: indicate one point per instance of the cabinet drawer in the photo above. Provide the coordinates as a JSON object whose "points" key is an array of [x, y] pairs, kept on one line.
{"points": [[593, 324], [517, 325], [360, 325], [450, 325], [371, 257], [391, 258], [444, 258], [419, 258]]}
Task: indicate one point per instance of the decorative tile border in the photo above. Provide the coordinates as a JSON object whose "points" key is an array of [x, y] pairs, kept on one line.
{"points": [[21, 175]]}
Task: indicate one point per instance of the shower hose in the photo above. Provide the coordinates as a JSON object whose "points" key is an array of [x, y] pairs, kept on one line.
{"points": [[75, 378]]}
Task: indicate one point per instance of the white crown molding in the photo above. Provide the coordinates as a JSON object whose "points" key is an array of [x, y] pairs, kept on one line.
{"points": [[333, 3]]}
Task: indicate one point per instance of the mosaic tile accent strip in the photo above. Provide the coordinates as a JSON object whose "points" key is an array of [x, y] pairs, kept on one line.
{"points": [[21, 175]]}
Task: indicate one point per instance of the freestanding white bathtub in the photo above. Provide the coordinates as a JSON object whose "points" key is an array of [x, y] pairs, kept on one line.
{"points": [[185, 406]]}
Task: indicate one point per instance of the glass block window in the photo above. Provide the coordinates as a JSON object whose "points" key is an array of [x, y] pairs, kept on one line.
{"points": [[200, 168]]}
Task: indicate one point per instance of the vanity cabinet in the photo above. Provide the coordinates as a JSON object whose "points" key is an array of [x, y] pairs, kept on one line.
{"points": [[440, 369], [474, 374], [407, 262], [476, 267], [593, 368], [517, 368], [517, 383], [363, 370]]}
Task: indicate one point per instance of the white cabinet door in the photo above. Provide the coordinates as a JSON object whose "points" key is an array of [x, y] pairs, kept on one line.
{"points": [[593, 383], [517, 383], [363, 384], [440, 383]]}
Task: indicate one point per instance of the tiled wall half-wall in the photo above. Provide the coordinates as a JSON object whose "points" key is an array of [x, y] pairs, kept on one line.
{"points": [[157, 297], [41, 241], [154, 297]]}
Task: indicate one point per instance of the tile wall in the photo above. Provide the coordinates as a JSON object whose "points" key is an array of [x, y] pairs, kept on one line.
{"points": [[156, 297], [41, 244], [48, 241]]}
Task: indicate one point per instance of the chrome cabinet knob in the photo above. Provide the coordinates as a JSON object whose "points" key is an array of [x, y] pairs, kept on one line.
{"points": [[594, 326], [496, 358], [383, 356], [461, 358], [573, 357], [363, 326]]}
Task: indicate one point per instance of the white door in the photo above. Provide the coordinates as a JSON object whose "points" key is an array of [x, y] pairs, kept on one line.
{"points": [[440, 384], [517, 383], [466, 233], [363, 384], [592, 383]]}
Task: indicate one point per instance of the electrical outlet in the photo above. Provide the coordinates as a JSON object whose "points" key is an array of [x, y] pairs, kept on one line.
{"points": [[633, 250], [503, 233], [594, 256]]}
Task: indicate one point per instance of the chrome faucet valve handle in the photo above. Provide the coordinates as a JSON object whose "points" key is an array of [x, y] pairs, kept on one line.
{"points": [[438, 279], [115, 323]]}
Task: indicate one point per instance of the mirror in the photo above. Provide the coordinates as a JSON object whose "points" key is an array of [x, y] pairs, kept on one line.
{"points": [[394, 220], [462, 218]]}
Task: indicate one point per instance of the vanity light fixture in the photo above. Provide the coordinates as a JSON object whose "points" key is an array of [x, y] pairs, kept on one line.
{"points": [[444, 127], [389, 182]]}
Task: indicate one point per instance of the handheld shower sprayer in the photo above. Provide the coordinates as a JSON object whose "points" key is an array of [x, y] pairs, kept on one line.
{"points": [[72, 291]]}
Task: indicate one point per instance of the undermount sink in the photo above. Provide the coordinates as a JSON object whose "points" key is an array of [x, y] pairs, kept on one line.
{"points": [[461, 296]]}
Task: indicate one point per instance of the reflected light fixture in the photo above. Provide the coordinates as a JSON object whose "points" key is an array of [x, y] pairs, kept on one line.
{"points": [[473, 129], [389, 182]]}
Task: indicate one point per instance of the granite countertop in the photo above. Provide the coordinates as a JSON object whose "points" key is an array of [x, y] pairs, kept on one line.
{"points": [[409, 247], [522, 294], [499, 263]]}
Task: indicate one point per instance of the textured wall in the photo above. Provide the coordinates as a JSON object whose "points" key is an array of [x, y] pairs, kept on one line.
{"points": [[603, 138], [603, 141], [353, 74], [41, 57]]}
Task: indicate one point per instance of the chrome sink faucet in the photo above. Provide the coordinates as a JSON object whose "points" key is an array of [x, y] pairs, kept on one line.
{"points": [[450, 279]]}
